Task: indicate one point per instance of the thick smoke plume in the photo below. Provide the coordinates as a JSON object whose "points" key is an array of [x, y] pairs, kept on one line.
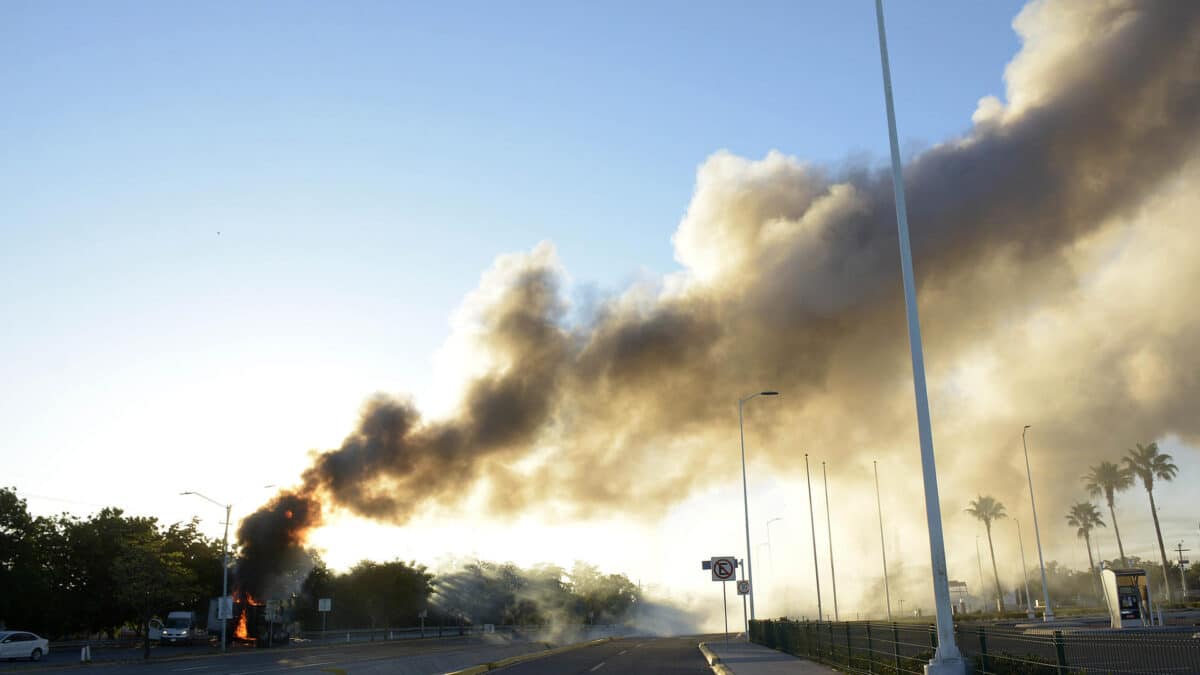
{"points": [[272, 543], [790, 280]]}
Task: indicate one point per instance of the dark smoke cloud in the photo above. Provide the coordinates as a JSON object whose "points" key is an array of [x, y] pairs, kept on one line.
{"points": [[272, 543], [791, 281]]}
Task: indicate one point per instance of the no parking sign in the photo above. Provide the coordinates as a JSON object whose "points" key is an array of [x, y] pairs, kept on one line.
{"points": [[724, 568]]}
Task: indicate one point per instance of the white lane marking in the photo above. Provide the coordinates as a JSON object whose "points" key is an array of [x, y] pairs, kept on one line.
{"points": [[623, 651], [180, 670], [298, 666], [639, 646], [596, 667]]}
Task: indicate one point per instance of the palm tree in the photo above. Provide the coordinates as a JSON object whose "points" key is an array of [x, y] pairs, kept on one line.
{"points": [[988, 509], [1086, 517], [1108, 479], [1148, 463]]}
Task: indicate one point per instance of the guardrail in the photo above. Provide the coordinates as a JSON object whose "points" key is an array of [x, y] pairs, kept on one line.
{"points": [[551, 633], [894, 648]]}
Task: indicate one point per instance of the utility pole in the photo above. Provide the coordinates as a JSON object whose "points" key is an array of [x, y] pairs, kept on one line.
{"points": [[1183, 570]]}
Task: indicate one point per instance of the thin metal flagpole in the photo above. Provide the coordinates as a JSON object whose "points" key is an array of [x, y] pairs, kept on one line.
{"points": [[887, 594], [829, 530], [812, 521]]}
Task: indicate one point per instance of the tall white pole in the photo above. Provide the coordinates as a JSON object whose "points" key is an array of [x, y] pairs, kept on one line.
{"points": [[746, 512], [745, 619], [946, 659], [1047, 615], [979, 561], [1024, 572], [224, 576], [746, 501], [829, 530], [813, 522], [887, 594]]}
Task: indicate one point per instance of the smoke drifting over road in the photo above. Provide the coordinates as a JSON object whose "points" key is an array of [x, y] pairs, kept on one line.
{"points": [[790, 280]]}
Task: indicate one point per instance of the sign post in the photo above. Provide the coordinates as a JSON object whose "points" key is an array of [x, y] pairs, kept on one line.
{"points": [[724, 569], [324, 606]]}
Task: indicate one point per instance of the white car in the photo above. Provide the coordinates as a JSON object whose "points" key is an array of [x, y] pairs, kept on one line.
{"points": [[15, 644]]}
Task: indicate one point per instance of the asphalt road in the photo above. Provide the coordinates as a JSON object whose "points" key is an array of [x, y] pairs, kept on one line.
{"points": [[652, 656], [401, 657]]}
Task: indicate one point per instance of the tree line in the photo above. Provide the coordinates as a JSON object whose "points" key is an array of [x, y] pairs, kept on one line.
{"points": [[66, 576], [1144, 463]]}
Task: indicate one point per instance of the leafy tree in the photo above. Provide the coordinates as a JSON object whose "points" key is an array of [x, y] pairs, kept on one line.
{"points": [[987, 509], [149, 577], [1107, 478], [26, 546], [1086, 517], [1147, 463], [602, 598]]}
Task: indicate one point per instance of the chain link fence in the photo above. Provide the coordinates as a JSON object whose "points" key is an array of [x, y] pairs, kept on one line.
{"points": [[894, 648]]}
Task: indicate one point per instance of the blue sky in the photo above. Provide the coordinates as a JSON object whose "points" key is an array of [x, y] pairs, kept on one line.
{"points": [[363, 163]]}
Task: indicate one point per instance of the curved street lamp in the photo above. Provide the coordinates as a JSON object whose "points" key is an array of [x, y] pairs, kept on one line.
{"points": [[224, 560], [746, 500]]}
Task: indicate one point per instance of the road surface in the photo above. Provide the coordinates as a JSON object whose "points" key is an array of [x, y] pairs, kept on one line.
{"points": [[668, 656], [648, 656], [400, 657]]}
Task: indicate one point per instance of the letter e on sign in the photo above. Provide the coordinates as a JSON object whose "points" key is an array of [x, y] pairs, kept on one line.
{"points": [[724, 568]]}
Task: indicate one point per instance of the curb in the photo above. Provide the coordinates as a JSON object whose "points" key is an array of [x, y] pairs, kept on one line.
{"points": [[215, 655], [513, 660], [714, 661]]}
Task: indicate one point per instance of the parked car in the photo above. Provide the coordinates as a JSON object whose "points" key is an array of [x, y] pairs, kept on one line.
{"points": [[16, 644]]}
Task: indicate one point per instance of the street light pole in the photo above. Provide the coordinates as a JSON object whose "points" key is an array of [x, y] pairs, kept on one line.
{"points": [[887, 594], [813, 523], [746, 501], [224, 563], [771, 553], [1024, 572], [771, 549], [946, 658], [1047, 615], [829, 531]]}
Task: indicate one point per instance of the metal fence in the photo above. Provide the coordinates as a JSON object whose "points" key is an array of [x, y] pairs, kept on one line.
{"points": [[894, 648]]}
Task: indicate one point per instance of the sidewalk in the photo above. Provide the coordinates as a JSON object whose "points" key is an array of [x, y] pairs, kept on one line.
{"points": [[743, 658]]}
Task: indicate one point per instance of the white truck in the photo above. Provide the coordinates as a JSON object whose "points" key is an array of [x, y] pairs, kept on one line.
{"points": [[183, 628]]}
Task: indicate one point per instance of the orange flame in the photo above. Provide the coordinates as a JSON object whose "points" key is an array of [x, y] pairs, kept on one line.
{"points": [[241, 633]]}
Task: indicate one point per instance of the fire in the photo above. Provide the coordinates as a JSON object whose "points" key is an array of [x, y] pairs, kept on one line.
{"points": [[241, 633]]}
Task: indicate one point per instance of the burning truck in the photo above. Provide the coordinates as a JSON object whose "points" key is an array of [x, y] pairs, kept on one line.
{"points": [[256, 623]]}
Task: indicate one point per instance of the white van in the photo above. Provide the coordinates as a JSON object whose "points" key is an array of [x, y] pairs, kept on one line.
{"points": [[183, 628]]}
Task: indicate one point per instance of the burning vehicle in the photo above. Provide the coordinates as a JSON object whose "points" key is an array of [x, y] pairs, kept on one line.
{"points": [[269, 623]]}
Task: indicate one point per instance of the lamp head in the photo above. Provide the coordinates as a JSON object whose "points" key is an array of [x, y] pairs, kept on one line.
{"points": [[768, 393]]}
